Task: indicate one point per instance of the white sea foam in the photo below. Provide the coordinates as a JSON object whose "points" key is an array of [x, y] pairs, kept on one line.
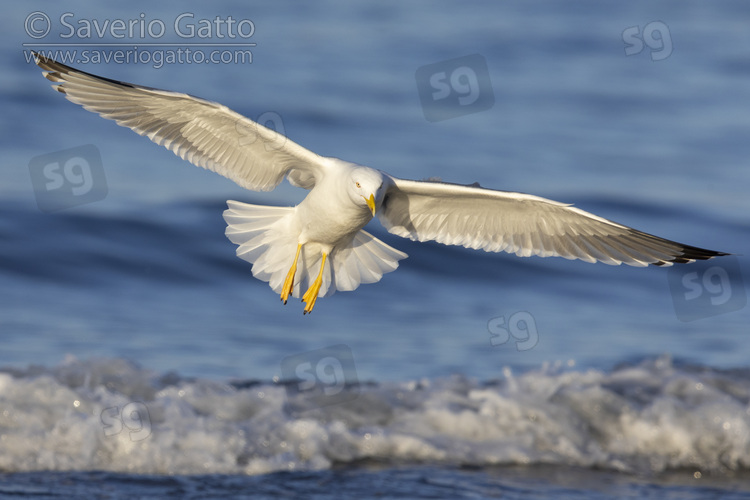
{"points": [[111, 415]]}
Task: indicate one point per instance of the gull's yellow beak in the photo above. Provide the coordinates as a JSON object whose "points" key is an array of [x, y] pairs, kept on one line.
{"points": [[371, 203]]}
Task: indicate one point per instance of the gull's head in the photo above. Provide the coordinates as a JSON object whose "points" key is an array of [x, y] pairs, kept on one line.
{"points": [[366, 187]]}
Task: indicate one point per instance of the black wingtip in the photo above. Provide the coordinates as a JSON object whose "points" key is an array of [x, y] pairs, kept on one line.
{"points": [[691, 254], [54, 72], [45, 62]]}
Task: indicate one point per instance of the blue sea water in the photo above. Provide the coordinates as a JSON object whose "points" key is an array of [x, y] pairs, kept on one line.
{"points": [[140, 357]]}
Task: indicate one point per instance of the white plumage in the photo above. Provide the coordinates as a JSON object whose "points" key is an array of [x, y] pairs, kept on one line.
{"points": [[319, 245], [267, 237]]}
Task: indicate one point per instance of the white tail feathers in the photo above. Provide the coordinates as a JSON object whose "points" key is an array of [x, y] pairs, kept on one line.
{"points": [[268, 237]]}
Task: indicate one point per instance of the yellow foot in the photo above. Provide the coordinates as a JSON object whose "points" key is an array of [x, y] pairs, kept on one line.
{"points": [[311, 295], [286, 291]]}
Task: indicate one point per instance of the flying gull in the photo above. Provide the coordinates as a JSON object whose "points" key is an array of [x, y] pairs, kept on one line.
{"points": [[319, 245]]}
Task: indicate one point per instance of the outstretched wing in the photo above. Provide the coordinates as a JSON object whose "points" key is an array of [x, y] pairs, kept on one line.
{"points": [[205, 133], [523, 224]]}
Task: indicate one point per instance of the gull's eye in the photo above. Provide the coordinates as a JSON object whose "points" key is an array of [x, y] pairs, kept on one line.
{"points": [[358, 186]]}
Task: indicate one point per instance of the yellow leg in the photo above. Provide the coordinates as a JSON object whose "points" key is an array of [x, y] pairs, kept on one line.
{"points": [[311, 295], [286, 291]]}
